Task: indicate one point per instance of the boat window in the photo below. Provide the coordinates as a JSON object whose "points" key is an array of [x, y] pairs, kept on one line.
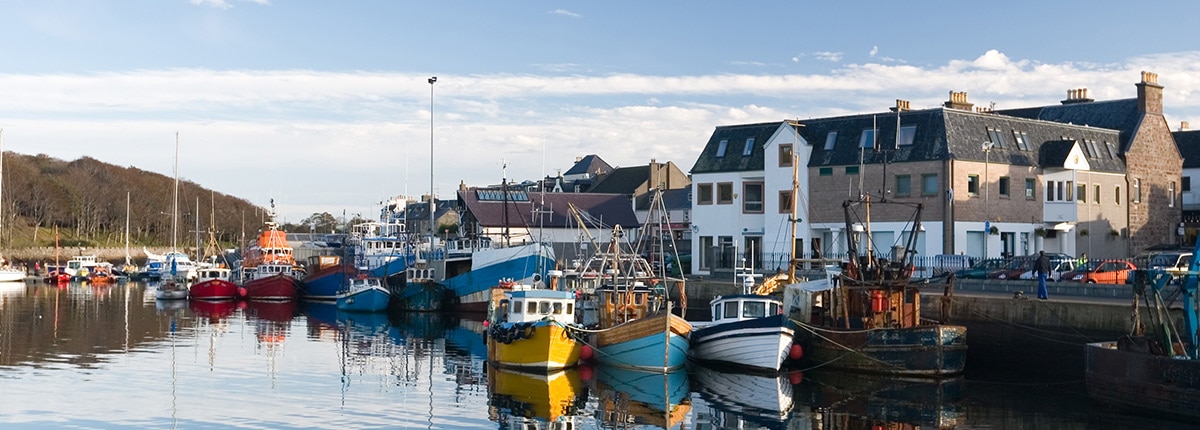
{"points": [[731, 309], [570, 308], [544, 308], [775, 309], [754, 309], [532, 309], [516, 307], [612, 299], [639, 298], [558, 308]]}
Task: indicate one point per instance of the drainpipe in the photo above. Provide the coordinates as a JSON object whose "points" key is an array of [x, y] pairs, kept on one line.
{"points": [[948, 206]]}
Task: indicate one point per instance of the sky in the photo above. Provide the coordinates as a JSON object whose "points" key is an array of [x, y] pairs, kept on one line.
{"points": [[325, 106]]}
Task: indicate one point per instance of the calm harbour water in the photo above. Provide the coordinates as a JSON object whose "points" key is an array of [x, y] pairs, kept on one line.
{"points": [[101, 357]]}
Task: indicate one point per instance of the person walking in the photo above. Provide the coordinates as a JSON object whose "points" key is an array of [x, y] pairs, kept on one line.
{"points": [[1042, 268]]}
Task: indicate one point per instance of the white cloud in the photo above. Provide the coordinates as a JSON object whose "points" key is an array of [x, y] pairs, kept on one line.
{"points": [[564, 12], [361, 136], [225, 4], [828, 56], [874, 50]]}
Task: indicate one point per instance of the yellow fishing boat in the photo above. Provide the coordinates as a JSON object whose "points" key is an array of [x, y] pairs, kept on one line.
{"points": [[532, 329]]}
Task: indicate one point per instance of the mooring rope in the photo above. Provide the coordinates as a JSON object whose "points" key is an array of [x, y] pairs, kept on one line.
{"points": [[814, 329]]}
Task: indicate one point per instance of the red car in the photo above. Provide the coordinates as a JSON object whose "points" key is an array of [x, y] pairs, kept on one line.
{"points": [[1101, 272]]}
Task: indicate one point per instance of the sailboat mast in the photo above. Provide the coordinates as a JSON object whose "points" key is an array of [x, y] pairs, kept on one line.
{"points": [[127, 228], [1, 180], [175, 201]]}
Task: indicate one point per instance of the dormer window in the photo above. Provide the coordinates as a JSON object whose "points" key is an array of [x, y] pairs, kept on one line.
{"points": [[721, 147], [749, 149]]}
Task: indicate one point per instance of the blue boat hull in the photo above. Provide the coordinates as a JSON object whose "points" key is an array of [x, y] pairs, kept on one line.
{"points": [[368, 300], [471, 291], [645, 344], [324, 286]]}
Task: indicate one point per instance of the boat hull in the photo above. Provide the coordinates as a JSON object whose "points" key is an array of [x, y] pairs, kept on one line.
{"points": [[655, 343], [214, 289], [276, 287], [471, 291], [374, 299], [419, 297], [542, 346], [545, 397], [325, 283], [7, 275], [759, 344], [930, 350], [1142, 380]]}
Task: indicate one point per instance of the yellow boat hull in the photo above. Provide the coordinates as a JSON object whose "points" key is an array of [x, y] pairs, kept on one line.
{"points": [[548, 347], [546, 396]]}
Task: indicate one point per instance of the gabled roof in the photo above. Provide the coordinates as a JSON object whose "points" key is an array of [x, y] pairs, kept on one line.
{"points": [[944, 133], [1188, 143], [622, 180], [1121, 115], [590, 163], [1054, 154], [420, 210], [552, 209], [735, 137]]}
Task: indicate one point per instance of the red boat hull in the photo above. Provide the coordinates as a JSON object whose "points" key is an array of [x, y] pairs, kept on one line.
{"points": [[275, 287], [214, 289]]}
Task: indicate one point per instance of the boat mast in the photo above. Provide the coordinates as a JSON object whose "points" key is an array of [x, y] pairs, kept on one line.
{"points": [[127, 258], [175, 201]]}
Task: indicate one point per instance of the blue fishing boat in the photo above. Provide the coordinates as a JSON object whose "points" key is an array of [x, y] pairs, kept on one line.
{"points": [[325, 276], [363, 294], [420, 291]]}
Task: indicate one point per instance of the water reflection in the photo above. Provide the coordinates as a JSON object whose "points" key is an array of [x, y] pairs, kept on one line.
{"points": [[849, 400], [553, 400], [738, 400], [632, 397]]}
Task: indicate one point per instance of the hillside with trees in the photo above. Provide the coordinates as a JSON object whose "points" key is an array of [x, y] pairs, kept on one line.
{"points": [[85, 199]]}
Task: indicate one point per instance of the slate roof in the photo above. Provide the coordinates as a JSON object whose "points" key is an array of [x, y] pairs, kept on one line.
{"points": [[622, 180], [611, 208], [590, 163], [945, 133], [1055, 153], [733, 160], [676, 199], [1121, 115], [420, 210], [1188, 143]]}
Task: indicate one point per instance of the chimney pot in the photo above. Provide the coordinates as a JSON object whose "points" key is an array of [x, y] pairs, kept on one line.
{"points": [[1184, 126], [958, 100]]}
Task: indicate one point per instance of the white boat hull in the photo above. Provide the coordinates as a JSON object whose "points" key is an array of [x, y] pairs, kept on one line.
{"points": [[754, 346]]}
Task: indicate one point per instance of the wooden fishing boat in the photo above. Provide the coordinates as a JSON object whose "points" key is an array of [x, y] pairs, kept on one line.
{"points": [[866, 316], [748, 330], [1157, 372], [533, 329]]}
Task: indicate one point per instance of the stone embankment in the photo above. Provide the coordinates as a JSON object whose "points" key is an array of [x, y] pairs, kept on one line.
{"points": [[47, 254]]}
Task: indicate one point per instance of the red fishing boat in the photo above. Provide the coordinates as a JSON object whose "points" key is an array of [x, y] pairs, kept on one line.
{"points": [[269, 271], [213, 283]]}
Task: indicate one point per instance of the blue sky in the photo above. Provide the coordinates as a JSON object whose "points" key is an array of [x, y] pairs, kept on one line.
{"points": [[325, 106]]}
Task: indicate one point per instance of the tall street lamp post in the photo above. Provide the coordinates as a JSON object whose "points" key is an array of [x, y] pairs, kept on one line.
{"points": [[987, 193]]}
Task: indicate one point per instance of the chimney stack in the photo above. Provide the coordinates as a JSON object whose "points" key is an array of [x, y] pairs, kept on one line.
{"points": [[1077, 95], [1183, 126], [901, 106], [1149, 94], [958, 100]]}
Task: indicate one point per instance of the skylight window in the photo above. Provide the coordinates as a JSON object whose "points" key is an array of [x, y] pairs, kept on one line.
{"points": [[1112, 152], [867, 139], [1022, 140], [830, 139], [907, 133], [749, 149], [996, 137], [721, 147]]}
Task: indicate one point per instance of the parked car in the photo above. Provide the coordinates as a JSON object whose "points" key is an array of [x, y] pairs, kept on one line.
{"points": [[1101, 272], [1058, 267], [1013, 269], [981, 269]]}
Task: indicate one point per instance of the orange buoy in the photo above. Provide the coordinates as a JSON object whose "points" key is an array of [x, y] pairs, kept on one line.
{"points": [[585, 372], [585, 353], [796, 377], [796, 353]]}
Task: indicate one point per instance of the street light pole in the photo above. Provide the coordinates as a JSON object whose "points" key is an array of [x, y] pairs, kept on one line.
{"points": [[987, 193], [432, 227]]}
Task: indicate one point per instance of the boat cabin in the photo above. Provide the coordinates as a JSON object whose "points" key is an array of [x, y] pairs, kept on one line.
{"points": [[523, 304], [207, 273], [618, 304], [740, 307]]}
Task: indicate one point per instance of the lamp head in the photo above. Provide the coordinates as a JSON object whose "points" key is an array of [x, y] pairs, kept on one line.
{"points": [[432, 80]]}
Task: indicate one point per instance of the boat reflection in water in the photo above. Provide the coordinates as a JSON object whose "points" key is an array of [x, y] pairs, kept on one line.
{"points": [[744, 400], [550, 400], [851, 400], [632, 397], [213, 310], [11, 290]]}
